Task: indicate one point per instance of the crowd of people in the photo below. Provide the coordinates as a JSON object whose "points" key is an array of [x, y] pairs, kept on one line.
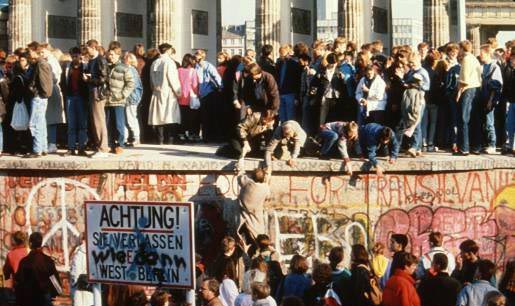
{"points": [[328, 100], [254, 277]]}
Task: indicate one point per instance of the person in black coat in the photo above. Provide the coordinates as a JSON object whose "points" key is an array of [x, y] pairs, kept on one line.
{"points": [[314, 296], [266, 62], [438, 288], [33, 278], [361, 273]]}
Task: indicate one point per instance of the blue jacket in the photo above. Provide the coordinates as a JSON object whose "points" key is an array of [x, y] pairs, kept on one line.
{"points": [[426, 80], [474, 294], [290, 73], [208, 77], [293, 284], [492, 82], [450, 82], [135, 96], [369, 141]]}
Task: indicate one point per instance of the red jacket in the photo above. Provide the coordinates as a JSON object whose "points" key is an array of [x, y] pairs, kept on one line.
{"points": [[400, 290], [13, 260]]}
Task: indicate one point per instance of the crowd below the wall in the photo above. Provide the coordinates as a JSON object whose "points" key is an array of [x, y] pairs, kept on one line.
{"points": [[254, 277], [330, 100]]}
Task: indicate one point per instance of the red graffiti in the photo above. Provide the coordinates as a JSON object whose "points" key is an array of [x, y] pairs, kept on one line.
{"points": [[457, 225]]}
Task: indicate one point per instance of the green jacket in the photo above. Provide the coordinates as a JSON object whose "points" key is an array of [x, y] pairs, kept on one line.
{"points": [[120, 84]]}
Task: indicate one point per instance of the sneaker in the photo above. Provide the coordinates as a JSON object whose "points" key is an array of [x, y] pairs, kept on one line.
{"points": [[475, 152], [32, 155], [460, 153], [412, 152], [118, 150], [431, 149], [83, 153], [419, 153], [454, 149], [489, 150], [100, 154], [52, 148], [69, 153]]}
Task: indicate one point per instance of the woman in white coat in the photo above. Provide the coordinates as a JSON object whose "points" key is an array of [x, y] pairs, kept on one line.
{"points": [[80, 297], [166, 88], [371, 96]]}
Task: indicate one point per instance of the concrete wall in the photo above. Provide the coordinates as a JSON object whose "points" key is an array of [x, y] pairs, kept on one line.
{"points": [[40, 10], [306, 213], [287, 36], [186, 42]]}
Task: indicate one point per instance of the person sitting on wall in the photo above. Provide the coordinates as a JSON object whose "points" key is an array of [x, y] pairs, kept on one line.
{"points": [[338, 134], [371, 137], [291, 137]]}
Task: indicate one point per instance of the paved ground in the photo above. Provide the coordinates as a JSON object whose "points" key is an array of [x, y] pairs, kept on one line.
{"points": [[202, 158]]}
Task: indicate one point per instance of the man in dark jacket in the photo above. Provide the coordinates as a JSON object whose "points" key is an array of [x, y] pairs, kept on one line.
{"points": [[509, 96], [439, 289], [41, 86], [371, 137], [289, 77], [466, 262], [231, 263], [259, 91], [37, 279], [75, 91], [266, 62], [96, 78]]}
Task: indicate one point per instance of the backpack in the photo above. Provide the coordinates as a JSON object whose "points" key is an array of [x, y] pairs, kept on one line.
{"points": [[331, 298], [375, 296]]}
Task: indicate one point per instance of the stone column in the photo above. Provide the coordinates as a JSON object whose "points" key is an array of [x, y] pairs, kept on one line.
{"points": [[89, 21], [351, 20], [436, 22], [475, 37], [162, 25], [268, 24], [218, 25], [20, 23]]}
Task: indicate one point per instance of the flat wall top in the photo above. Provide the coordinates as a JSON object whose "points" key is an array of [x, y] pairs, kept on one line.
{"points": [[200, 158]]}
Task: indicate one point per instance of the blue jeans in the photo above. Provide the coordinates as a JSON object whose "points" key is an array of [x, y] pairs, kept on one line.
{"points": [[115, 120], [77, 113], [287, 107], [52, 133], [416, 142], [329, 138], [510, 125], [429, 124], [453, 121], [464, 109], [37, 125], [490, 129]]}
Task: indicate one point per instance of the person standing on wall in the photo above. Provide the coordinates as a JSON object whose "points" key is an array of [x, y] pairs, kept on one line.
{"points": [[121, 85], [41, 86], [96, 78], [210, 84], [166, 88], [76, 92]]}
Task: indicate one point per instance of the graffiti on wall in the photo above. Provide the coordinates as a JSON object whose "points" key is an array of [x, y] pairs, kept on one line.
{"points": [[325, 210]]}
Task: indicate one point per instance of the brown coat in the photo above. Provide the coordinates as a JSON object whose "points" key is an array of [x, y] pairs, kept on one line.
{"points": [[43, 79], [269, 97]]}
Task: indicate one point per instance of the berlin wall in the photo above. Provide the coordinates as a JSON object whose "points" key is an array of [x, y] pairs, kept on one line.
{"points": [[306, 213]]}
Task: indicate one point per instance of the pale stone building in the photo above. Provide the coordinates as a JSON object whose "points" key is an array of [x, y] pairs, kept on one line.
{"points": [[186, 24]]}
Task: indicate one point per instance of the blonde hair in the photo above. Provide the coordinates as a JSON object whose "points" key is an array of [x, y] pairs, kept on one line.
{"points": [[130, 59]]}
